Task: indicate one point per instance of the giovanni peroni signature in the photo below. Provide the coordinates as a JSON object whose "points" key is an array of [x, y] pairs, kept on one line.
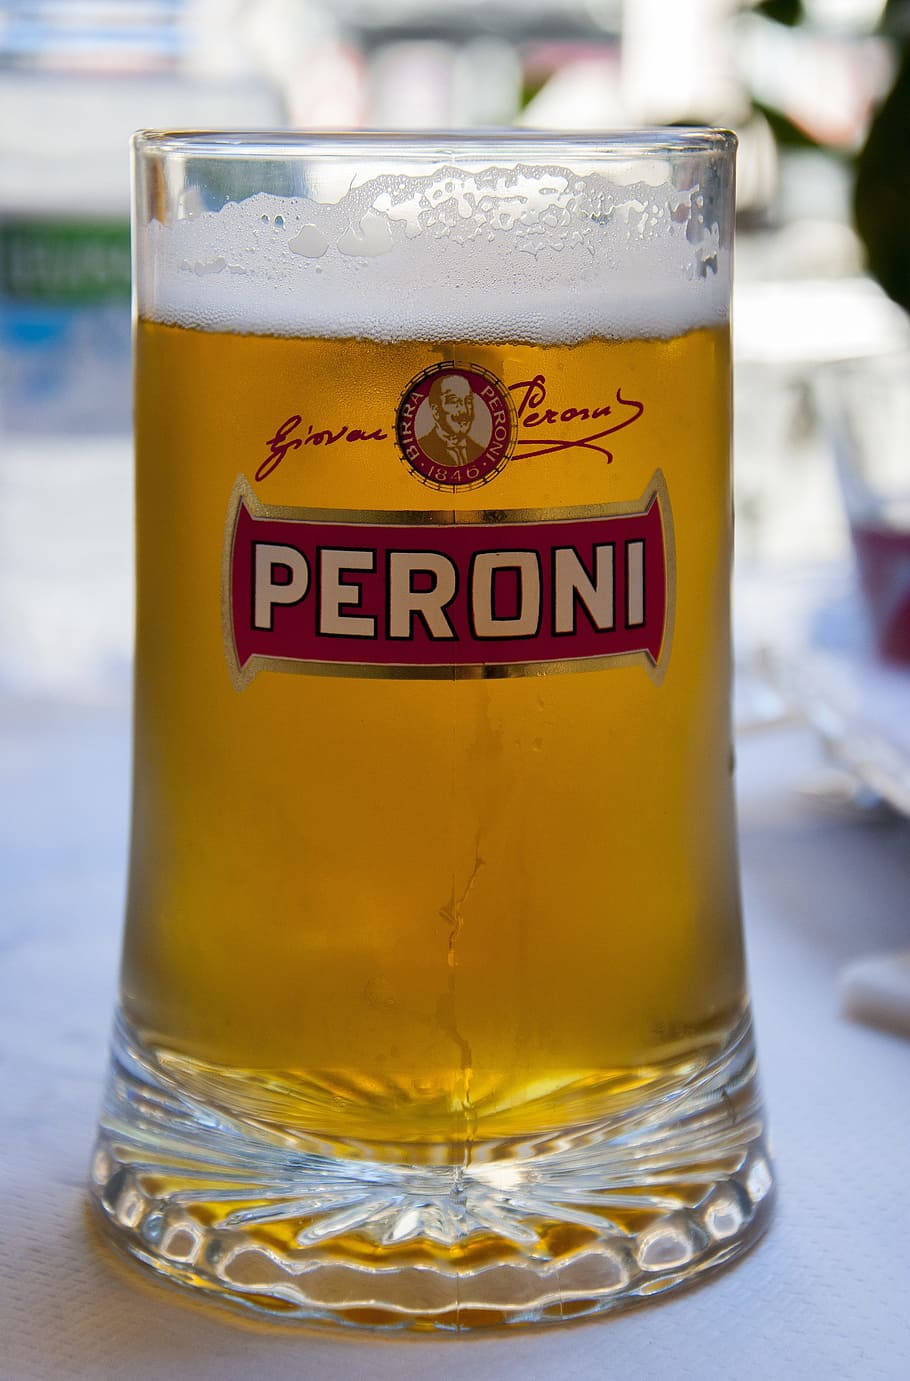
{"points": [[532, 394], [532, 412], [284, 440]]}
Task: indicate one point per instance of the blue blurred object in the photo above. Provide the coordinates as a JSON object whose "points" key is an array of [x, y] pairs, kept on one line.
{"points": [[75, 80]]}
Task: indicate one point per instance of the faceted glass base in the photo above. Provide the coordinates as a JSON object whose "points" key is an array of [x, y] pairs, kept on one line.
{"points": [[526, 1231]]}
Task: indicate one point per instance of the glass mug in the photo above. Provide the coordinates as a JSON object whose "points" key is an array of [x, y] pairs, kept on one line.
{"points": [[433, 1009]]}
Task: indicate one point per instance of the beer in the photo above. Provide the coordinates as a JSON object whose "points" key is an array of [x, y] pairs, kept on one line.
{"points": [[433, 1009], [428, 909]]}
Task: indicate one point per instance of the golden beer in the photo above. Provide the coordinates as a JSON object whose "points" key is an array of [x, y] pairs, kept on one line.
{"points": [[428, 909], [433, 1009]]}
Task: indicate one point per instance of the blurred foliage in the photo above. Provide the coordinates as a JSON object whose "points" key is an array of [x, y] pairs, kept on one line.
{"points": [[788, 12], [787, 135], [881, 198], [530, 86], [881, 204]]}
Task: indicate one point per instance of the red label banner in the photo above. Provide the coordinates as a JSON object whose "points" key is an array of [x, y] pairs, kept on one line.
{"points": [[427, 594]]}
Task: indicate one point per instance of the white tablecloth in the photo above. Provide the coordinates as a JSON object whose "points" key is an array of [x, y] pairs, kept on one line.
{"points": [[825, 1296]]}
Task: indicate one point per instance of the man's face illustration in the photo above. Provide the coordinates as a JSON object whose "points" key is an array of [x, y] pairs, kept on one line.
{"points": [[452, 405]]}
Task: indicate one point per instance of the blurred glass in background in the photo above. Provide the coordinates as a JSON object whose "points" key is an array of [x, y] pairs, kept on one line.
{"points": [[809, 87], [866, 407]]}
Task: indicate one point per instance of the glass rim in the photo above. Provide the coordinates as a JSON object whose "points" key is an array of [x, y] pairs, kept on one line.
{"points": [[672, 141]]}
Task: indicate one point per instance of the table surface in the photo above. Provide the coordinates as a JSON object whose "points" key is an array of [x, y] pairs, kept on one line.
{"points": [[825, 1295]]}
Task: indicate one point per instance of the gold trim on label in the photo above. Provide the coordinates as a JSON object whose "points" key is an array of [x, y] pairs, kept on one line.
{"points": [[242, 492]]}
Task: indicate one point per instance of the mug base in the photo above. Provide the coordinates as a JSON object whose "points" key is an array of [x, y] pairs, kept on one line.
{"points": [[580, 1222]]}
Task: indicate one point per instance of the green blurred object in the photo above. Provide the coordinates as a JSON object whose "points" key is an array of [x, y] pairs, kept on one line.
{"points": [[61, 261]]}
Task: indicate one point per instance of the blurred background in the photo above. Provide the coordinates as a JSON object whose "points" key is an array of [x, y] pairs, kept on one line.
{"points": [[819, 94]]}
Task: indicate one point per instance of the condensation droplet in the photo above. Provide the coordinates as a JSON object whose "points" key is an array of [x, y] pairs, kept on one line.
{"points": [[309, 242], [369, 239]]}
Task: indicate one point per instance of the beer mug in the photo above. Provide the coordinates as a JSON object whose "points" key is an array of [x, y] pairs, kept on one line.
{"points": [[433, 1009]]}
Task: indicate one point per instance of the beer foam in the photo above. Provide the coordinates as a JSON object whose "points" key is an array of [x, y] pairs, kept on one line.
{"points": [[520, 254]]}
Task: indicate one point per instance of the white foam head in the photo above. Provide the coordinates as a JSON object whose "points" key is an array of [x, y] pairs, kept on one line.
{"points": [[517, 254]]}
